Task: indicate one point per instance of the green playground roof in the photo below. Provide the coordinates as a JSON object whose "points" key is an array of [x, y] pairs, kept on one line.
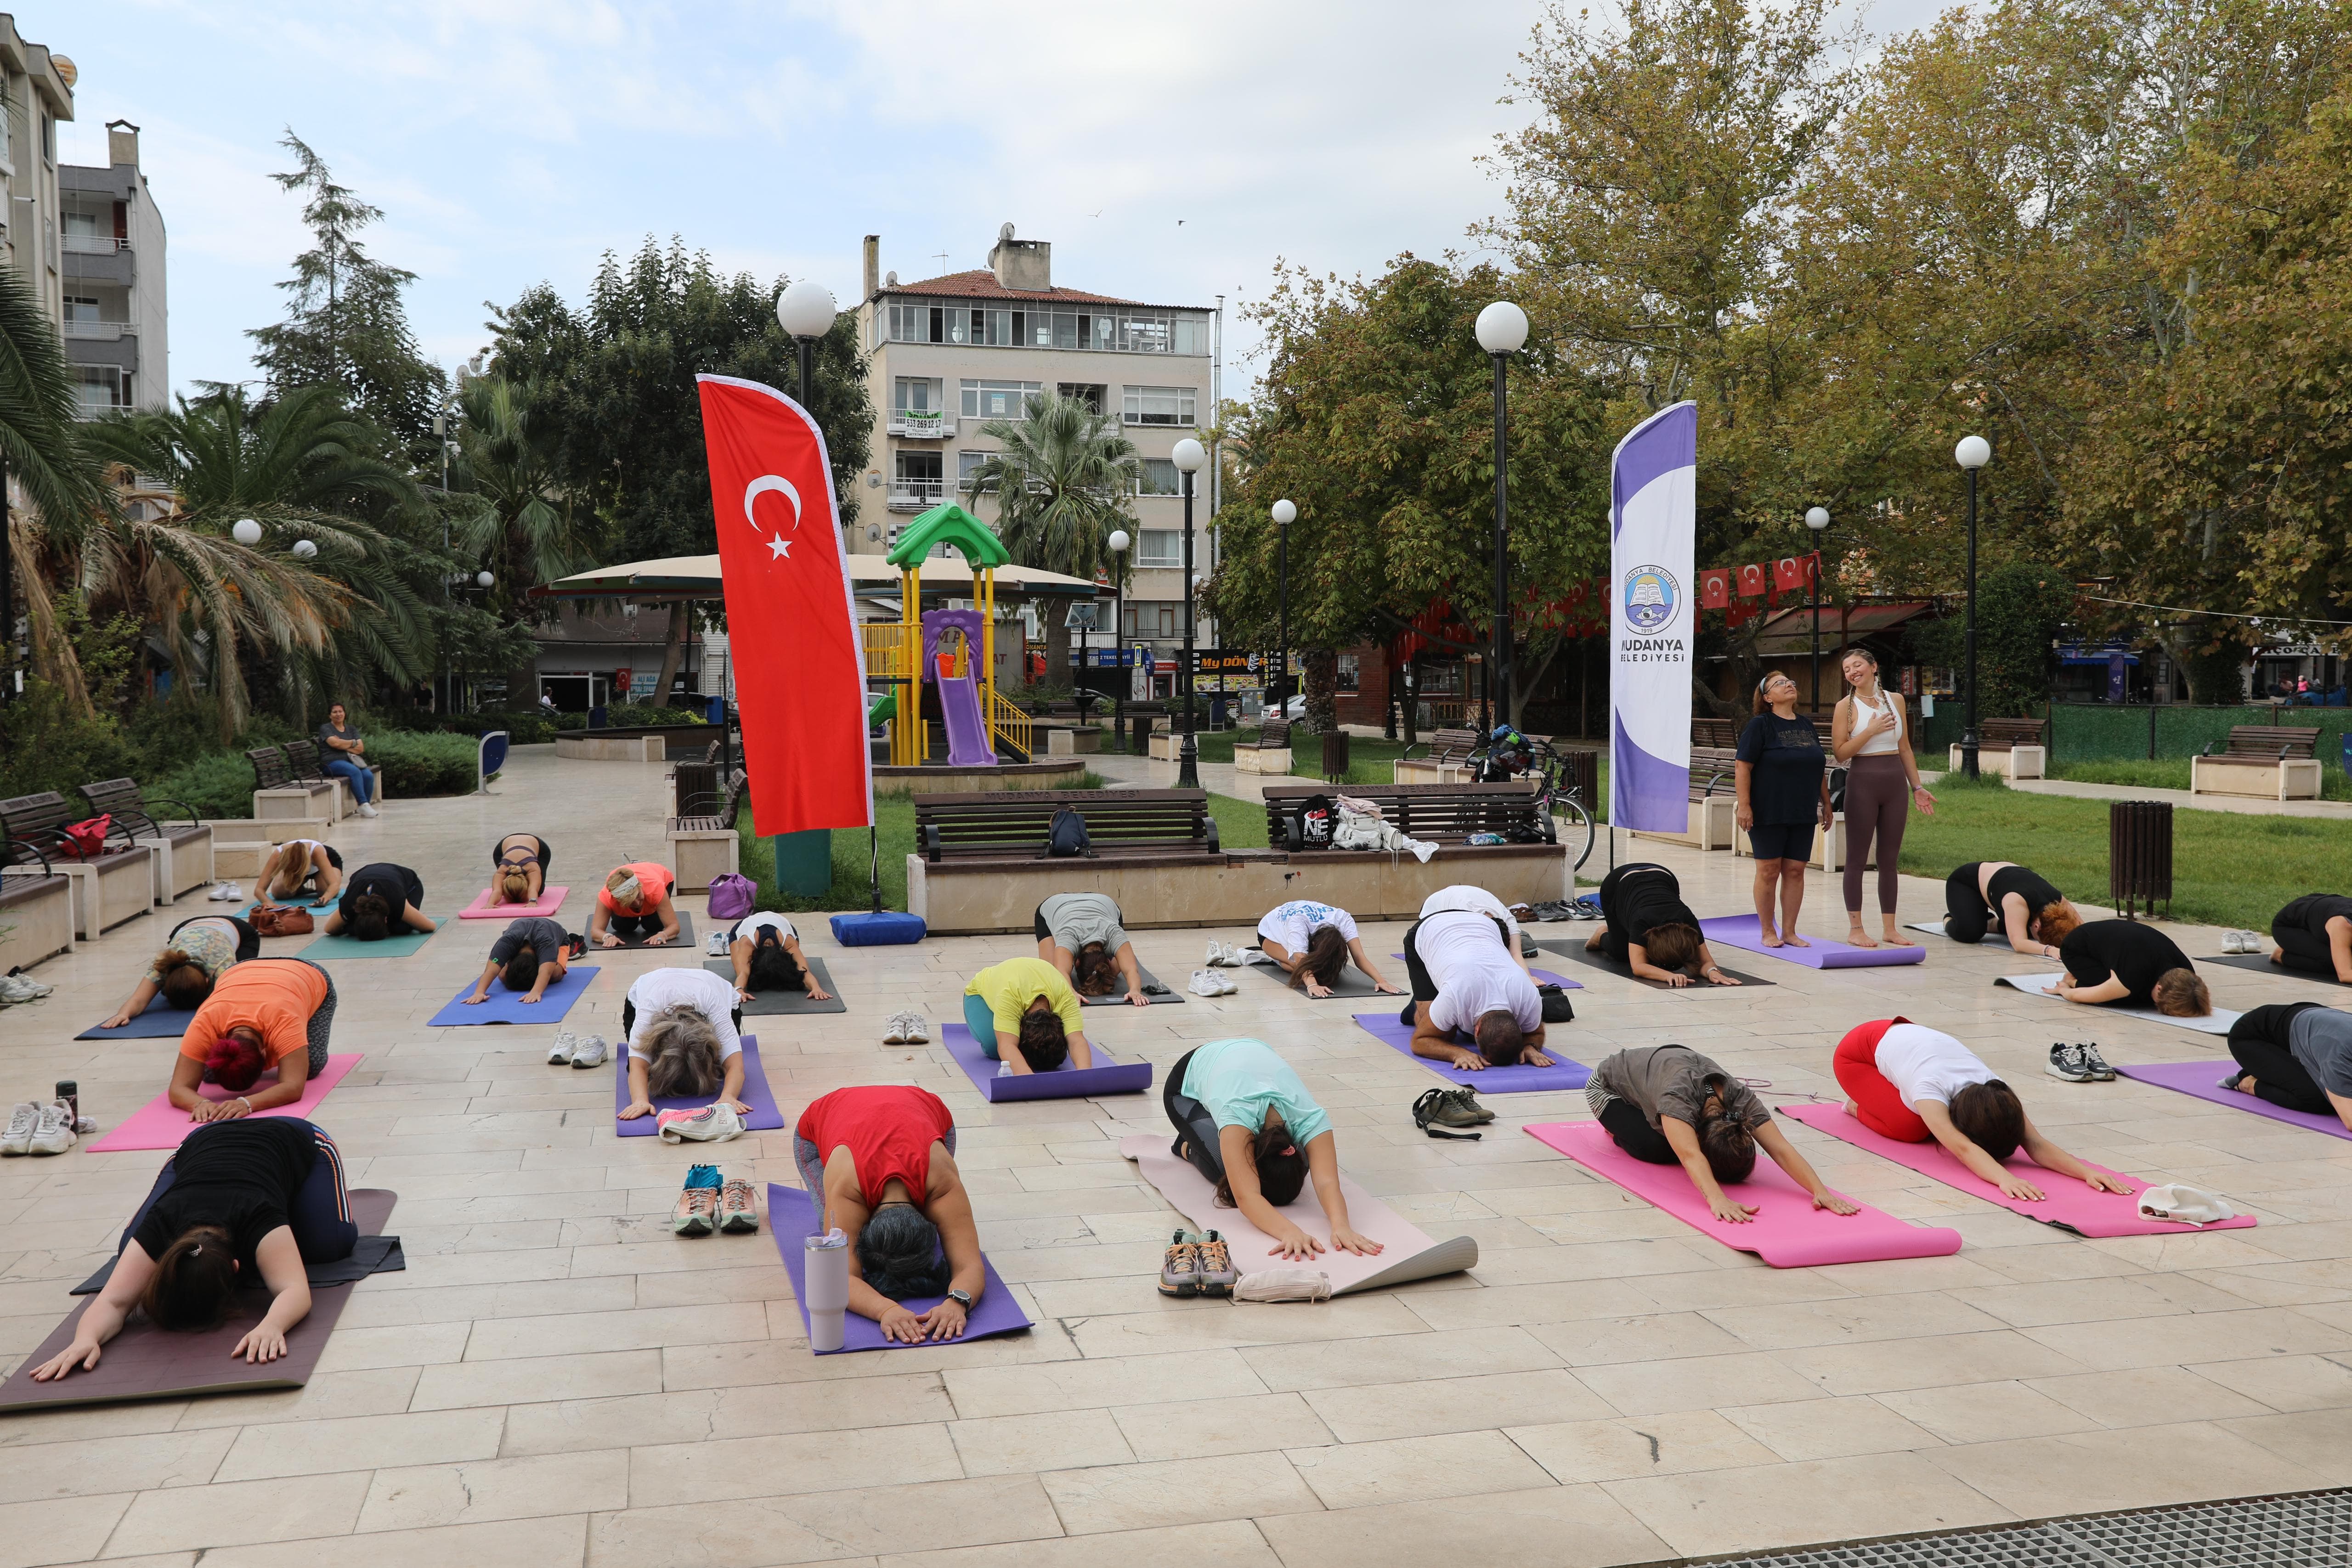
{"points": [[949, 524]]}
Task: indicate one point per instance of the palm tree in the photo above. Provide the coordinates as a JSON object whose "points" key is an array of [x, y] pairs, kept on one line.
{"points": [[518, 510], [1062, 477]]}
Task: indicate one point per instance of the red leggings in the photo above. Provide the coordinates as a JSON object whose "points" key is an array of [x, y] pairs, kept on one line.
{"points": [[1879, 1104]]}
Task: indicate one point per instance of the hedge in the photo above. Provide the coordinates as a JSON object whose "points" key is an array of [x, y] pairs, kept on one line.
{"points": [[413, 764]]}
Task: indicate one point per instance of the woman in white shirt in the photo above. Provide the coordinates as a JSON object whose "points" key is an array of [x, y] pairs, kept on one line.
{"points": [[1910, 1082], [1313, 942], [765, 949], [300, 864], [1871, 734], [684, 1039]]}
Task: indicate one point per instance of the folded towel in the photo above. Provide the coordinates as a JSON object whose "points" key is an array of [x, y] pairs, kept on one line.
{"points": [[2184, 1204]]}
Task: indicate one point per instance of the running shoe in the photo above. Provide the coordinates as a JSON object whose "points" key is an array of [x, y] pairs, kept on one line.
{"points": [[919, 1029], [739, 1208], [2066, 1063], [1213, 1266], [2096, 1062], [16, 988], [1180, 1269], [894, 1032], [591, 1053], [18, 1138], [566, 1042], [715, 945], [54, 1133], [697, 1213]]}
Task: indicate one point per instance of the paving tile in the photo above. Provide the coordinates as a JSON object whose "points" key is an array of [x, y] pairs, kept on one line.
{"points": [[1367, 1413], [1556, 1526], [1696, 1440], [1176, 1492], [2101, 1472], [482, 1491], [1701, 1513], [1403, 1469]]}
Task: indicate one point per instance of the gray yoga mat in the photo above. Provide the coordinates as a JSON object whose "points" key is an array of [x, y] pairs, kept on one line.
{"points": [[1575, 952], [1118, 999], [1353, 984], [1935, 928], [685, 937], [765, 1004]]}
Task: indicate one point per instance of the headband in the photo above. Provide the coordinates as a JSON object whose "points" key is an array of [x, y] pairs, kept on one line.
{"points": [[629, 892]]}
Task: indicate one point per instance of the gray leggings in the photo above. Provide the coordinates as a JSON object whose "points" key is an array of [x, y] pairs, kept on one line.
{"points": [[812, 1163]]}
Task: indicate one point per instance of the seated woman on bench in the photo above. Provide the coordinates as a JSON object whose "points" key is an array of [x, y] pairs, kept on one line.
{"points": [[1910, 1082], [1313, 942], [880, 1161], [2314, 933], [519, 868], [532, 953], [1244, 1121], [199, 952], [265, 1013], [1467, 977], [765, 949], [1651, 930], [636, 903], [2297, 1055], [1080, 935], [684, 1037], [301, 870], [237, 1200], [2132, 962], [1667, 1104], [1024, 1015], [2035, 916], [378, 901]]}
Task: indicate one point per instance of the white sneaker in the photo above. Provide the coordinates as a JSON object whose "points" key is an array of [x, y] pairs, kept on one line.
{"points": [[711, 1124], [54, 1133], [1207, 983], [1216, 952], [715, 945], [919, 1028], [895, 1031], [16, 988], [18, 1138], [366, 808], [225, 893], [566, 1042], [591, 1053]]}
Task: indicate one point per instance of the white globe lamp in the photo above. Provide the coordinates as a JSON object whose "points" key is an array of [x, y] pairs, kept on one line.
{"points": [[806, 310], [1502, 327], [247, 532], [305, 549], [1973, 451]]}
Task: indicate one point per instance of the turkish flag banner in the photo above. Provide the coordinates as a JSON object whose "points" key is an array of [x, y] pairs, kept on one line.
{"points": [[791, 634], [1715, 589], [1751, 581], [1789, 573]]}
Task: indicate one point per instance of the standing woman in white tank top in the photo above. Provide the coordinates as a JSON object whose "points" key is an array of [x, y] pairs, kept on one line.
{"points": [[1872, 735]]}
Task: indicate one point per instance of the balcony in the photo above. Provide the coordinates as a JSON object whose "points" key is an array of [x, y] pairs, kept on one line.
{"points": [[920, 425], [102, 331], [94, 244], [917, 495]]}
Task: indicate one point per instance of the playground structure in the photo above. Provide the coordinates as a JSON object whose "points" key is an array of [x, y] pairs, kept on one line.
{"points": [[954, 648]]}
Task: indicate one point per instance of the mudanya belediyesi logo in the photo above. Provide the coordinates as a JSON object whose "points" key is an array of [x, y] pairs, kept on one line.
{"points": [[1651, 596]]}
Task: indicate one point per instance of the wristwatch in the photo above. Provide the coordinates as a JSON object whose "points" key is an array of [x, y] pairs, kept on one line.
{"points": [[961, 1299]]}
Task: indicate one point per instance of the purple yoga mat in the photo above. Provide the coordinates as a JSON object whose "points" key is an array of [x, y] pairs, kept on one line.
{"points": [[792, 1217], [1742, 931], [2203, 1079], [1067, 1083], [1398, 1037], [1542, 976], [764, 1116]]}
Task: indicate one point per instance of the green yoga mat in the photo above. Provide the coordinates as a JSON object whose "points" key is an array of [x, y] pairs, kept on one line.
{"points": [[327, 949]]}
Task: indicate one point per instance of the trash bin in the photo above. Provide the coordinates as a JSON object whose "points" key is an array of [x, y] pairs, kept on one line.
{"points": [[1218, 704], [2140, 856], [1335, 756]]}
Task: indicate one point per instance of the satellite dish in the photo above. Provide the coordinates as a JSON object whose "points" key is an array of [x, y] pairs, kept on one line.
{"points": [[1005, 234], [890, 281]]}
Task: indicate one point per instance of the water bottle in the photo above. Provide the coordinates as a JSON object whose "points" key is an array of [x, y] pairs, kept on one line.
{"points": [[826, 1276], [69, 1094]]}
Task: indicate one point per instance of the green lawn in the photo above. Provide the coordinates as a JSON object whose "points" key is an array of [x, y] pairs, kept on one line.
{"points": [[2172, 773], [2227, 870]]}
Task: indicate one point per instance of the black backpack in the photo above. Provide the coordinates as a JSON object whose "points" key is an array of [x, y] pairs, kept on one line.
{"points": [[1066, 836], [1310, 826]]}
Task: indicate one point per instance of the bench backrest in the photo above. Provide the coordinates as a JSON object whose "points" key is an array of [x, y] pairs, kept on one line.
{"points": [[38, 820], [1445, 745], [2271, 740], [120, 799], [303, 762], [269, 770], [1014, 823], [1443, 813], [1722, 732], [1273, 733], [2009, 733]]}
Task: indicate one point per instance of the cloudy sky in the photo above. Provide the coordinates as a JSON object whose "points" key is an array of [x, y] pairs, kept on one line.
{"points": [[1170, 153]]}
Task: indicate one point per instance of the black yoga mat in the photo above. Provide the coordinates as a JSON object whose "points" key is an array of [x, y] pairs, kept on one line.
{"points": [[1576, 952], [765, 1004], [2260, 963]]}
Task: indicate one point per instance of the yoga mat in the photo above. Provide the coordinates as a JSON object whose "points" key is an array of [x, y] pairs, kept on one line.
{"points": [[792, 1217], [550, 899], [1542, 976], [1107, 1077], [1788, 1231], [1576, 952], [2202, 1079], [162, 1021], [764, 1004], [509, 1007], [1518, 1079], [764, 1116], [2069, 1204], [144, 1361], [685, 937], [1407, 1252], [1935, 928], [1118, 999], [2253, 964], [160, 1125], [328, 949], [1741, 931], [1353, 984], [372, 1255], [2216, 1022]]}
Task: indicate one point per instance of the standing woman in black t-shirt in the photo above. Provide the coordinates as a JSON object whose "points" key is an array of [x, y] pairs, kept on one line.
{"points": [[2314, 933], [377, 902], [1784, 788], [254, 1196]]}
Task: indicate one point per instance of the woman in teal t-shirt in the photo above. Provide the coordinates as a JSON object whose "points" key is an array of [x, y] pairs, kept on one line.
{"points": [[1245, 1122]]}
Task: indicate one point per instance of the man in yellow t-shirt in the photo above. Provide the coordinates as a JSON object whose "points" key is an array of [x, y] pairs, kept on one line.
{"points": [[1024, 1003]]}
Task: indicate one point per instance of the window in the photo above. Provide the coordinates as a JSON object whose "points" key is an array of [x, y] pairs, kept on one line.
{"points": [[916, 395], [1000, 400], [1153, 619], [80, 309], [1191, 335], [97, 388], [967, 463], [1158, 405], [1093, 394], [1160, 547], [1156, 476], [1349, 677]]}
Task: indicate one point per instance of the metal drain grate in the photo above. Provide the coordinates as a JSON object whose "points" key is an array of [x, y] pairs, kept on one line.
{"points": [[2312, 1530]]}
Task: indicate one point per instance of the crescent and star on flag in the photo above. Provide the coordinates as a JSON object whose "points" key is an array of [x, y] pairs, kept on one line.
{"points": [[777, 544]]}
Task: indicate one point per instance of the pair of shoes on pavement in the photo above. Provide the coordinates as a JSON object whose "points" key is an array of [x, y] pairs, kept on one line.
{"points": [[15, 988], [2078, 1063], [2241, 941], [1450, 1108], [1225, 955], [38, 1129], [367, 809], [1209, 983], [1197, 1263], [907, 1028], [715, 945], [226, 892], [569, 1047], [708, 1203]]}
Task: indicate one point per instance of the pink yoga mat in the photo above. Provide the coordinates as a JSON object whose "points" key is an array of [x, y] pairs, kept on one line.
{"points": [[2070, 1205], [550, 899], [160, 1125], [1788, 1231], [1407, 1253]]}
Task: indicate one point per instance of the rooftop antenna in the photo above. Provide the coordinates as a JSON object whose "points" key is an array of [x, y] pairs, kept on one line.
{"points": [[943, 261]]}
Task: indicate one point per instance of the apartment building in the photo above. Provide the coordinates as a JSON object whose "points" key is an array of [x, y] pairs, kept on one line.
{"points": [[35, 92], [112, 262], [951, 353]]}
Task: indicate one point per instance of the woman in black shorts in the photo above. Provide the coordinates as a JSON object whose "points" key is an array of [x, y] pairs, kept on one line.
{"points": [[519, 868], [1784, 788], [1651, 930]]}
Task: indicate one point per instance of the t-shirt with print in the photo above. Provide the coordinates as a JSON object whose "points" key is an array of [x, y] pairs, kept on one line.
{"points": [[1925, 1063], [1294, 924], [1473, 973], [543, 936], [209, 943], [1787, 759]]}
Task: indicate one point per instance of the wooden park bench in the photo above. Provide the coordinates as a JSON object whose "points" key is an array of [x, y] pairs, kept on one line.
{"points": [[37, 909], [279, 792], [1269, 753], [1378, 886], [1448, 761], [184, 853], [2271, 762], [2011, 747], [307, 764], [980, 863], [109, 888], [703, 843]]}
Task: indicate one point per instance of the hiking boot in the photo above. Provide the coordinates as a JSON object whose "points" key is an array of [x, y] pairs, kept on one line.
{"points": [[1214, 1264], [1467, 1098], [1528, 948], [566, 1042], [2096, 1062], [1180, 1269], [1439, 1108], [711, 1124], [18, 1138], [739, 1208], [590, 1052], [54, 1133], [2066, 1063]]}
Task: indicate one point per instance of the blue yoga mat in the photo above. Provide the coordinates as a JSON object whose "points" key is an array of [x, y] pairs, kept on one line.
{"points": [[509, 1007], [160, 1020]]}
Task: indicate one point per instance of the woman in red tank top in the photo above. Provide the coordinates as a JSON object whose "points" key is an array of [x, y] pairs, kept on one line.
{"points": [[881, 1161]]}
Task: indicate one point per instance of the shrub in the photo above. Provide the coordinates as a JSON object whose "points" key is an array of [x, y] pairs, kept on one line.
{"points": [[572, 721], [44, 746], [626, 715], [416, 764], [219, 785]]}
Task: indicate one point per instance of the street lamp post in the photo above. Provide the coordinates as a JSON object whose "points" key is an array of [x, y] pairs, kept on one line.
{"points": [[1190, 457], [807, 311], [1817, 519], [1972, 453], [1118, 541], [1502, 328], [803, 860], [1284, 513]]}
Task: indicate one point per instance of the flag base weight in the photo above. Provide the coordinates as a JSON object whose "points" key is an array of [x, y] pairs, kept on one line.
{"points": [[804, 862]]}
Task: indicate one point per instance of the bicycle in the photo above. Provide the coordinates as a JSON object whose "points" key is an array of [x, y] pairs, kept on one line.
{"points": [[1507, 753]]}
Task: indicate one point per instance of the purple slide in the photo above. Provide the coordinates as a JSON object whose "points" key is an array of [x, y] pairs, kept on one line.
{"points": [[967, 742]]}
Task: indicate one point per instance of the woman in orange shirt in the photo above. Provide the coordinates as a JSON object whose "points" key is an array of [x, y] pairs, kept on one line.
{"points": [[636, 904], [265, 1013]]}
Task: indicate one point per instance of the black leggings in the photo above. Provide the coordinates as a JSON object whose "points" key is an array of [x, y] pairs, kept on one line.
{"points": [[1967, 917], [248, 940], [1196, 1130], [1631, 1131], [2301, 931], [2258, 1042], [319, 1213]]}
